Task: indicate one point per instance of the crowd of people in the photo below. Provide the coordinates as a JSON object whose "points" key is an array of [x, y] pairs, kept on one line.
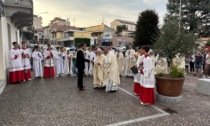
{"points": [[199, 63], [103, 64]]}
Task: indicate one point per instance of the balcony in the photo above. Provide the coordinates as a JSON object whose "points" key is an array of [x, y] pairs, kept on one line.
{"points": [[66, 39], [1, 7], [20, 11]]}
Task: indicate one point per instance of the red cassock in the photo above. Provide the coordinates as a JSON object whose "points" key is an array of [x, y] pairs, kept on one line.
{"points": [[16, 76], [147, 95], [137, 88], [26, 74], [49, 72]]}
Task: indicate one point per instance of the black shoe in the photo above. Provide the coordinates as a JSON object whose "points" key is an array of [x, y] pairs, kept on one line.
{"points": [[83, 89], [113, 91], [103, 87]]}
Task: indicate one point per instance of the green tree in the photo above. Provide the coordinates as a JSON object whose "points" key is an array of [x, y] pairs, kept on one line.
{"points": [[208, 42], [173, 41], [121, 28], [146, 28], [195, 14]]}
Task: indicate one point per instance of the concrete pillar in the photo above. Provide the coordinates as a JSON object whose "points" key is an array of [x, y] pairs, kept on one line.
{"points": [[4, 48]]}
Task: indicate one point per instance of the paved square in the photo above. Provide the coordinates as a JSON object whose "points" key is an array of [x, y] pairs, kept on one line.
{"points": [[57, 102]]}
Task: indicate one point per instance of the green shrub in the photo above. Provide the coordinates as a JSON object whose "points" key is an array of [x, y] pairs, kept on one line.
{"points": [[208, 42], [176, 72], [159, 75]]}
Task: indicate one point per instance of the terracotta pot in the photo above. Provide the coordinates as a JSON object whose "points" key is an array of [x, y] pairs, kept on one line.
{"points": [[168, 86]]}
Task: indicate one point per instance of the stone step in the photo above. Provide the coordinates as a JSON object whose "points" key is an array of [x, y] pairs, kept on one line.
{"points": [[203, 86], [2, 86]]}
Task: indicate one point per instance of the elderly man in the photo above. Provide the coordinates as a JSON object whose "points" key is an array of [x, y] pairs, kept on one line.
{"points": [[130, 60], [120, 59], [112, 76], [98, 72]]}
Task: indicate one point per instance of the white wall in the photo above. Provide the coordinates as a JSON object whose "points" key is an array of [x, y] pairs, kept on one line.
{"points": [[15, 36], [6, 44]]}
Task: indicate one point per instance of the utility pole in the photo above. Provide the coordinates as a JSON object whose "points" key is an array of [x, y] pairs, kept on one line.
{"points": [[180, 14]]}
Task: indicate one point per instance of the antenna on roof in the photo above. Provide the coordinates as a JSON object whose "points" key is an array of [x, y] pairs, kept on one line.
{"points": [[103, 19]]}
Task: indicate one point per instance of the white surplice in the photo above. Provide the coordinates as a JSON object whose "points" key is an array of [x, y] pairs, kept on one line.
{"points": [[26, 60], [15, 60], [138, 62], [48, 62], [37, 63], [148, 78]]}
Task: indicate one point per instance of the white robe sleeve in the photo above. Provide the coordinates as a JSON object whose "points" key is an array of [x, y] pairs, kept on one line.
{"points": [[11, 55], [147, 67]]}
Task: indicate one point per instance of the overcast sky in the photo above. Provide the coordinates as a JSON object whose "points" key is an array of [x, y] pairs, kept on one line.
{"points": [[91, 12]]}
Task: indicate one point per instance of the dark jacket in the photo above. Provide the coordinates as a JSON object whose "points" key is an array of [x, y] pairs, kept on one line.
{"points": [[80, 63]]}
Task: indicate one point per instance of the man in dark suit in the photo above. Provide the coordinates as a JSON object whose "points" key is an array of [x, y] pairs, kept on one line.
{"points": [[80, 64]]}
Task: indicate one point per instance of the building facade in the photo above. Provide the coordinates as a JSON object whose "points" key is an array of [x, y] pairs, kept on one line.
{"points": [[37, 22], [14, 15], [71, 35], [102, 34], [131, 26]]}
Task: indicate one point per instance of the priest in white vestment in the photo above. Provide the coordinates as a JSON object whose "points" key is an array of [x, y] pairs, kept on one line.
{"points": [[130, 61], [111, 72], [161, 65], [179, 61], [49, 70], [120, 61], [98, 71], [37, 62], [92, 57], [26, 56], [15, 65]]}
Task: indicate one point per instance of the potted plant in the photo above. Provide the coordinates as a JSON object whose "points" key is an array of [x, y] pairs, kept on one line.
{"points": [[173, 40]]}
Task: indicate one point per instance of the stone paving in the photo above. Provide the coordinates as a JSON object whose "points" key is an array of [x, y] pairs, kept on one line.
{"points": [[57, 102]]}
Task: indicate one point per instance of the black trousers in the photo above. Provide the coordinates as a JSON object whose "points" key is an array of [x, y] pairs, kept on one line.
{"points": [[80, 78], [192, 66]]}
